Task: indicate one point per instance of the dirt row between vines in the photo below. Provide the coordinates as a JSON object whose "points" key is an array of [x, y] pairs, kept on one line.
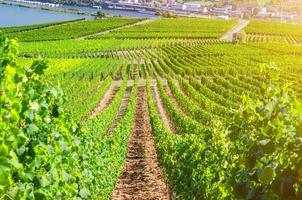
{"points": [[108, 97], [173, 98], [142, 177], [110, 94], [162, 110], [122, 110]]}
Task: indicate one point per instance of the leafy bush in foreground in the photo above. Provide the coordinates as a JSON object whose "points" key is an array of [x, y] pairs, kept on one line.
{"points": [[267, 139], [39, 149]]}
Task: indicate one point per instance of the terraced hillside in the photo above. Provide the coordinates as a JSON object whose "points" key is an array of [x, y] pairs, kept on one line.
{"points": [[274, 31], [153, 101], [69, 30]]}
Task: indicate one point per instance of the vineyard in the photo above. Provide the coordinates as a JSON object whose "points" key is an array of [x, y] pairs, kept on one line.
{"points": [[272, 31], [69, 30], [163, 109], [174, 28]]}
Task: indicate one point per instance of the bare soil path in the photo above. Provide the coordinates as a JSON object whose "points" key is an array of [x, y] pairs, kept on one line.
{"points": [[122, 110], [111, 92], [142, 178], [107, 99], [228, 36], [172, 97], [115, 29], [161, 109]]}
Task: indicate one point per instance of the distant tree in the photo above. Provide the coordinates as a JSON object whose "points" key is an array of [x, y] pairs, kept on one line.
{"points": [[166, 14], [100, 14], [158, 13], [169, 14]]}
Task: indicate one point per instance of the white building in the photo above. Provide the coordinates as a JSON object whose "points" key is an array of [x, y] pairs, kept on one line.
{"points": [[170, 2], [205, 10], [224, 10], [178, 6], [128, 1], [192, 6]]}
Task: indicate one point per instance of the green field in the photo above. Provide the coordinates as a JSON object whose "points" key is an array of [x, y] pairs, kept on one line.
{"points": [[274, 31], [174, 28], [176, 79], [70, 30]]}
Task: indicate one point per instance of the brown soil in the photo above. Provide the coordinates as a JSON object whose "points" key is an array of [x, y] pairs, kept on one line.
{"points": [[135, 71], [145, 70], [142, 178], [121, 111], [161, 110], [172, 97], [107, 99]]}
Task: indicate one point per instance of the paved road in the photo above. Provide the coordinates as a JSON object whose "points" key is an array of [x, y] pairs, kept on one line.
{"points": [[240, 25]]}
